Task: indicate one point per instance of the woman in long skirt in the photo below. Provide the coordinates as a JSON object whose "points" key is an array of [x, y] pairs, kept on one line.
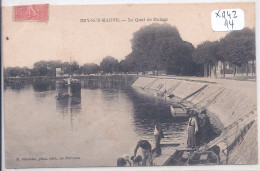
{"points": [[192, 130]]}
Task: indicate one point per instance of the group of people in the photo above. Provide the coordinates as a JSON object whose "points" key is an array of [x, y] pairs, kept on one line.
{"points": [[199, 132], [146, 150], [199, 129]]}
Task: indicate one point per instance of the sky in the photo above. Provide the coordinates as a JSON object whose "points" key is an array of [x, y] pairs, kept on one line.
{"points": [[65, 38], [82, 2]]}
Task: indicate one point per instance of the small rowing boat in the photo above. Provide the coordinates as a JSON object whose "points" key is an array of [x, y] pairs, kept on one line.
{"points": [[178, 111]]}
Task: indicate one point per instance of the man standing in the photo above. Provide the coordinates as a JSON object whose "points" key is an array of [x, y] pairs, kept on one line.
{"points": [[158, 133], [146, 150], [206, 129]]}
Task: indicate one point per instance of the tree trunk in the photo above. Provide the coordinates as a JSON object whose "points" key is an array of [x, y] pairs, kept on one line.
{"points": [[252, 74], [209, 70], [247, 69], [224, 69], [205, 70], [215, 71], [235, 70]]}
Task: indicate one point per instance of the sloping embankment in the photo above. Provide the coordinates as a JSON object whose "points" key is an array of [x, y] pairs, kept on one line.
{"points": [[228, 101]]}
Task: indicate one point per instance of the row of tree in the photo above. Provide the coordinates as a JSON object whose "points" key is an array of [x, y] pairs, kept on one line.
{"points": [[48, 68], [159, 47], [237, 48]]}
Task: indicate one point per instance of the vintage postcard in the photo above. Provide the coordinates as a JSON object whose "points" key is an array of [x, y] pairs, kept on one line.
{"points": [[129, 85]]}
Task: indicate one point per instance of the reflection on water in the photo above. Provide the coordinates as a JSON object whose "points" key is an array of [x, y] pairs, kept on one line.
{"points": [[44, 86], [107, 83], [149, 111], [15, 85], [74, 89], [68, 106], [95, 124]]}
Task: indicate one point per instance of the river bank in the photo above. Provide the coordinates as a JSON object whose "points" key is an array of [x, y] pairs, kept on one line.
{"points": [[227, 102], [130, 78], [100, 81], [114, 115]]}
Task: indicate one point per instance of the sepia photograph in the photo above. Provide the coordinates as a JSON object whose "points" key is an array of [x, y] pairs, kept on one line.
{"points": [[129, 85]]}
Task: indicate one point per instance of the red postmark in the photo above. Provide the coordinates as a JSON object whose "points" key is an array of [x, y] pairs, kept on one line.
{"points": [[39, 12]]}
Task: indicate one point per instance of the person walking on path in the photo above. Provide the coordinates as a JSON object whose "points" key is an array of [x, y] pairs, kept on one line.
{"points": [[146, 151], [158, 133], [192, 130]]}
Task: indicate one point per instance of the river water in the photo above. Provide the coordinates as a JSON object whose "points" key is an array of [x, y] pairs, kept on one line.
{"points": [[93, 128]]}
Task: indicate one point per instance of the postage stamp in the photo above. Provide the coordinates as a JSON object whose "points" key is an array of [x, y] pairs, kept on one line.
{"points": [[37, 12]]}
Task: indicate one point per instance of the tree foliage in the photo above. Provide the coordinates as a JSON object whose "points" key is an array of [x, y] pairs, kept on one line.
{"points": [[180, 60], [160, 47], [74, 67], [109, 64], [40, 68], [89, 68], [238, 47], [207, 53], [153, 45], [16, 71], [52, 65], [43, 68], [65, 67]]}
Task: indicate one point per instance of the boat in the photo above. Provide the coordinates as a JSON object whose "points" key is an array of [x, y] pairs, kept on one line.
{"points": [[189, 156], [178, 111], [177, 154], [71, 81], [180, 155], [63, 95], [68, 87], [203, 158]]}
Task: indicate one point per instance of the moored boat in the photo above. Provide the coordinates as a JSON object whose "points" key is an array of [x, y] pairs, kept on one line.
{"points": [[178, 111], [63, 95], [177, 154], [71, 81]]}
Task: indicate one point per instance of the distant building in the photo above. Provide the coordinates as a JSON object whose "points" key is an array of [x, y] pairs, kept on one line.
{"points": [[161, 72], [225, 69], [150, 73], [157, 73], [59, 72]]}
